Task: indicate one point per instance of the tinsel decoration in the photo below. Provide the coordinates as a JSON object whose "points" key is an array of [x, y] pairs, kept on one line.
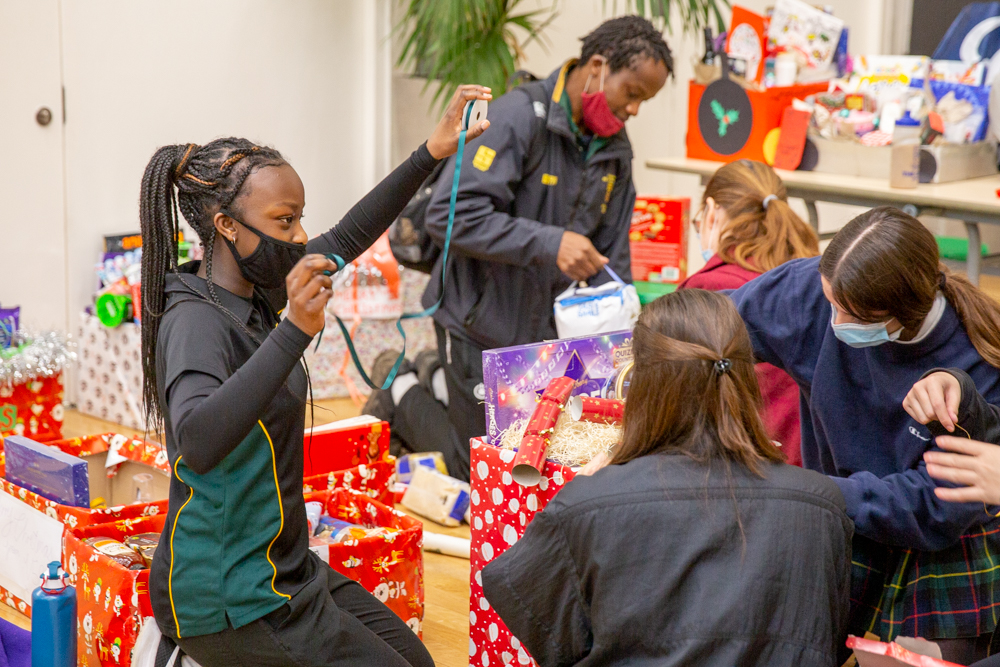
{"points": [[35, 355]]}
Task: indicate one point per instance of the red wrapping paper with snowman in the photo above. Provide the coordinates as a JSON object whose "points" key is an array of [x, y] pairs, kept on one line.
{"points": [[112, 602], [33, 409], [389, 567], [500, 511]]}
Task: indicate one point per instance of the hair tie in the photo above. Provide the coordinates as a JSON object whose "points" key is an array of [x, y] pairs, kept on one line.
{"points": [[767, 200], [182, 165], [722, 366]]}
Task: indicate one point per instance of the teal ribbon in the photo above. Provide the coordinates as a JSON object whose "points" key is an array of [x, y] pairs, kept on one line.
{"points": [[444, 272]]}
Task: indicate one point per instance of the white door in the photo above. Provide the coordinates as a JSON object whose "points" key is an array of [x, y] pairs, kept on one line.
{"points": [[32, 217]]}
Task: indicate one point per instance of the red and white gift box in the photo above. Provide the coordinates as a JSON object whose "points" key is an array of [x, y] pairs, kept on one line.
{"points": [[501, 510], [390, 567], [33, 409]]}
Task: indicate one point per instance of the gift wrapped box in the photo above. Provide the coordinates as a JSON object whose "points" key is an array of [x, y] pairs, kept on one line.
{"points": [[658, 239], [515, 377], [501, 510], [33, 409], [31, 388], [374, 479], [389, 567], [49, 472], [94, 449], [112, 602], [344, 444], [370, 336], [110, 377]]}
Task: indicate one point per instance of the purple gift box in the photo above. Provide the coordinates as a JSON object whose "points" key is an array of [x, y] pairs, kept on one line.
{"points": [[514, 377], [10, 321], [47, 471]]}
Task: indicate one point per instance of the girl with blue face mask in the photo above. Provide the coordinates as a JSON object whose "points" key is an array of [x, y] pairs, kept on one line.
{"points": [[856, 329]]}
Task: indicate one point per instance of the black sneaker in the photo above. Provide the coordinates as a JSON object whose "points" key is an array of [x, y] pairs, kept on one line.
{"points": [[379, 403], [426, 363]]}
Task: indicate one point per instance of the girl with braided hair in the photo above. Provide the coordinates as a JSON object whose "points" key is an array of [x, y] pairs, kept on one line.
{"points": [[696, 545], [234, 582]]}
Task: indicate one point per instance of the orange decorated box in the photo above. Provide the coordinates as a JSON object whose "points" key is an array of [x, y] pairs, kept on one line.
{"points": [[658, 239], [344, 444], [390, 567], [112, 601], [732, 125]]}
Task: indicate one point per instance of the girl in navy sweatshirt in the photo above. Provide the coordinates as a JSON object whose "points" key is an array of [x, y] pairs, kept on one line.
{"points": [[856, 329]]}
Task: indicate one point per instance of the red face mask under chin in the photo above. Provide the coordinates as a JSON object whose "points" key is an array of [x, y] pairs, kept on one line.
{"points": [[597, 115]]}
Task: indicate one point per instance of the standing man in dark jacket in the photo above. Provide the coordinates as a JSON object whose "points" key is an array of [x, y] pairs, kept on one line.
{"points": [[544, 200]]}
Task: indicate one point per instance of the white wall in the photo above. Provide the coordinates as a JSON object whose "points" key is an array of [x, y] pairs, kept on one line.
{"points": [[660, 128], [299, 75]]}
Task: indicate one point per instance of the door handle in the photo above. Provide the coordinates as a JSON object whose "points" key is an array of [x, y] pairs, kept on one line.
{"points": [[44, 116]]}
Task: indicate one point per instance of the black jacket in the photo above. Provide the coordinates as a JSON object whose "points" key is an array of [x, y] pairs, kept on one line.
{"points": [[502, 275], [646, 564], [978, 418]]}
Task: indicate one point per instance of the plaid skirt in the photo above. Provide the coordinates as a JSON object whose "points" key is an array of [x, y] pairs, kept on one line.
{"points": [[932, 594]]}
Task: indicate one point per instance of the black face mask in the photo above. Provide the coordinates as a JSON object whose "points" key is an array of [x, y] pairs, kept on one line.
{"points": [[271, 262]]}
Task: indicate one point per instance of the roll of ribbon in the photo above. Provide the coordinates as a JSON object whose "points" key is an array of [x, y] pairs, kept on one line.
{"points": [[596, 410]]}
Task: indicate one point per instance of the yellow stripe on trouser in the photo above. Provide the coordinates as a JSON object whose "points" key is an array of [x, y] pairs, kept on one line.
{"points": [[173, 529], [281, 511]]}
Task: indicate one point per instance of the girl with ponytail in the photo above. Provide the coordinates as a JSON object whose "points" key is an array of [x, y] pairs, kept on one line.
{"points": [[856, 329], [746, 227], [234, 581], [696, 545]]}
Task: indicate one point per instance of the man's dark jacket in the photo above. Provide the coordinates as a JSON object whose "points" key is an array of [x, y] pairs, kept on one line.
{"points": [[502, 276]]}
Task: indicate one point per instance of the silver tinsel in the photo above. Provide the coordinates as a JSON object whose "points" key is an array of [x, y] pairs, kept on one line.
{"points": [[35, 355]]}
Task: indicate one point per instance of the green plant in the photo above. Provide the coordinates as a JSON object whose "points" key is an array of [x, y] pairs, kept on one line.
{"points": [[464, 41], [694, 14]]}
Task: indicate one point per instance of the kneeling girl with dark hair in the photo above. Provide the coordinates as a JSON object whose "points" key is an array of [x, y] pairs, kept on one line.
{"points": [[234, 582], [696, 546]]}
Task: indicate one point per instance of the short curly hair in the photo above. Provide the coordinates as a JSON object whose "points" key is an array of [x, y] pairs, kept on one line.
{"points": [[624, 40]]}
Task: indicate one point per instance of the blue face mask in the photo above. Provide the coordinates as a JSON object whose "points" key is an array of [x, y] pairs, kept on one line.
{"points": [[705, 254], [862, 335]]}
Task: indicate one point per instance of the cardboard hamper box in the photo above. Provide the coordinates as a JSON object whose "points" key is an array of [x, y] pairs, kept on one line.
{"points": [[372, 479], [35, 524], [501, 510], [390, 567], [112, 601]]}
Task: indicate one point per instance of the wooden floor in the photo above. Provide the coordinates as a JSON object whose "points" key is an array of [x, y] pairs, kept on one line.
{"points": [[446, 579]]}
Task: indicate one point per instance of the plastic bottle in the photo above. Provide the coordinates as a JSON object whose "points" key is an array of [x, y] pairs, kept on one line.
{"points": [[904, 169], [786, 69], [53, 621]]}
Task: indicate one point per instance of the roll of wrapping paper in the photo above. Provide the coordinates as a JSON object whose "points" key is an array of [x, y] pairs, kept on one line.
{"points": [[559, 390], [596, 410], [530, 459]]}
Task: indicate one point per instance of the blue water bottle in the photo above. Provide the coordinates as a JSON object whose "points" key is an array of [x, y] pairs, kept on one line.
{"points": [[53, 621]]}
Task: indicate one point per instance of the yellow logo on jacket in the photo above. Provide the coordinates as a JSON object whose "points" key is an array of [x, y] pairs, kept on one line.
{"points": [[484, 157], [549, 179], [609, 182]]}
